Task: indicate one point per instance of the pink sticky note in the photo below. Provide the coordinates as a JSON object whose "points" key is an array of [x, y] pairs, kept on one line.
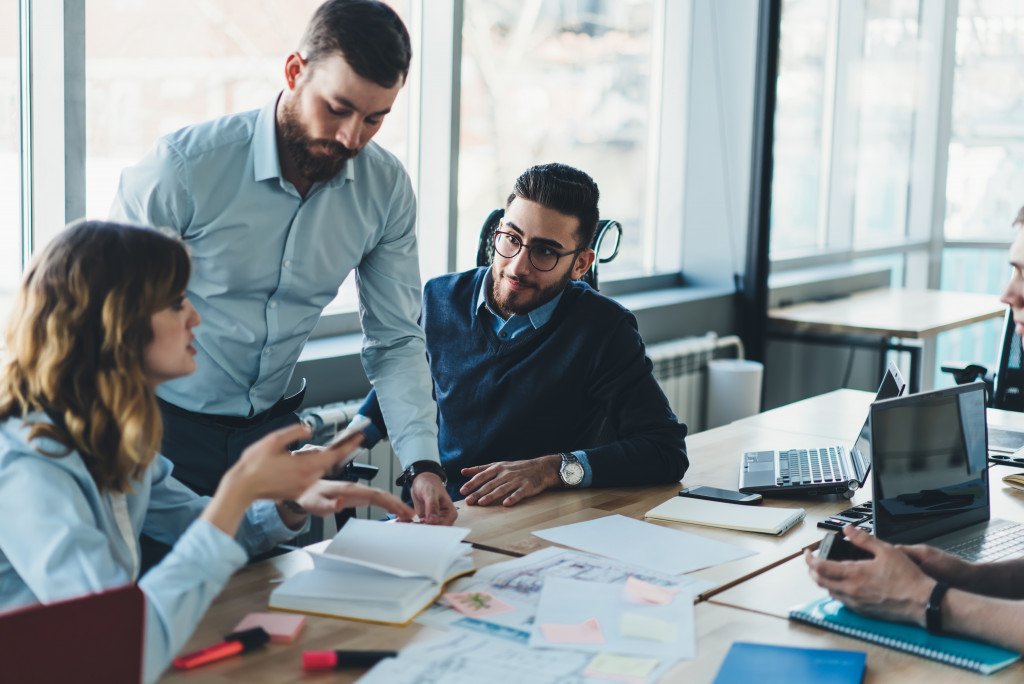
{"points": [[586, 632], [640, 591], [476, 603], [282, 627]]}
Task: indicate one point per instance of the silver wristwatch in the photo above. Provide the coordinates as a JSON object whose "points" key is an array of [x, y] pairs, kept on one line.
{"points": [[571, 471]]}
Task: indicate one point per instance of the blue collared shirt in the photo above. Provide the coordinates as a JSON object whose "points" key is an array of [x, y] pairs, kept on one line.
{"points": [[266, 261], [60, 539], [511, 328]]}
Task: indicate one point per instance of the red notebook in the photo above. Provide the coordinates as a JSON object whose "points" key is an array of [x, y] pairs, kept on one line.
{"points": [[96, 638]]}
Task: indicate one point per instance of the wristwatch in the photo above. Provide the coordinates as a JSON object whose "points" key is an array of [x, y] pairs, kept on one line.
{"points": [[419, 467], [933, 611], [571, 471]]}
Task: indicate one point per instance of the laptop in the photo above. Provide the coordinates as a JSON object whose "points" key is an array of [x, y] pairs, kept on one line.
{"points": [[930, 479], [828, 469]]}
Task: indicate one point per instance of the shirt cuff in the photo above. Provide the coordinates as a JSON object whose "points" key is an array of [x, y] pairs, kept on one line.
{"points": [[417, 448], [588, 472], [205, 545], [266, 529], [371, 435]]}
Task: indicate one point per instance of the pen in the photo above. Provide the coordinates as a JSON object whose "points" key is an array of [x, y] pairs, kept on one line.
{"points": [[314, 661], [233, 644]]}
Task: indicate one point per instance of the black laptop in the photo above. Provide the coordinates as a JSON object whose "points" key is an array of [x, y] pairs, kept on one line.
{"points": [[930, 481], [828, 469]]}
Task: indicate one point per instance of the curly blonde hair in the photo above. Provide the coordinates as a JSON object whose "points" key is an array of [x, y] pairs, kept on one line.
{"points": [[76, 339]]}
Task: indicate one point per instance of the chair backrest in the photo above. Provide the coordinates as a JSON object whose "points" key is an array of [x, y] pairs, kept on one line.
{"points": [[1008, 385], [605, 244], [96, 638]]}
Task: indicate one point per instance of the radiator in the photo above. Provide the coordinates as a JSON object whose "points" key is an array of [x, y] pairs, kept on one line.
{"points": [[681, 368]]}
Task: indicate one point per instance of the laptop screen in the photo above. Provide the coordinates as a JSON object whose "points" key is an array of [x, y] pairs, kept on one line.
{"points": [[892, 386], [930, 469]]}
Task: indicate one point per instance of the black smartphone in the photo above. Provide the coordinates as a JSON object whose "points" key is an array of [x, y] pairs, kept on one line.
{"points": [[724, 495], [836, 547]]}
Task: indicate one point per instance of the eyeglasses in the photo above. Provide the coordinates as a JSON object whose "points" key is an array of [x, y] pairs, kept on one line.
{"points": [[542, 257]]}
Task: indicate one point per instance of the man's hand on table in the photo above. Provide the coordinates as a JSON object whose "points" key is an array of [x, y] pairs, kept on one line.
{"points": [[509, 482], [431, 500]]}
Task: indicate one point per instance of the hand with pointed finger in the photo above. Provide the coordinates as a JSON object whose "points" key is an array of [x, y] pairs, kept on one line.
{"points": [[327, 497], [509, 482], [890, 586]]}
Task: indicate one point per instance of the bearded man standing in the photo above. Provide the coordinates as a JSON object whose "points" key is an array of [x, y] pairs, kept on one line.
{"points": [[278, 206]]}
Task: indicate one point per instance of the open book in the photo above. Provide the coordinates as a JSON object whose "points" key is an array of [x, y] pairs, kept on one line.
{"points": [[377, 571]]}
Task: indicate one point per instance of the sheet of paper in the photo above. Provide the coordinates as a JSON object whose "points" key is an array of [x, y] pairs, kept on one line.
{"points": [[518, 583], [645, 544], [620, 668], [586, 632], [641, 626], [476, 603], [639, 591], [566, 601]]}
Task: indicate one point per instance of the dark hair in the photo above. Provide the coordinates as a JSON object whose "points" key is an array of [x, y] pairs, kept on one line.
{"points": [[1020, 217], [565, 189], [368, 34]]}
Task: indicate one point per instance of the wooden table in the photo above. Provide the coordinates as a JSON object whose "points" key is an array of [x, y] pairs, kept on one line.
{"points": [[749, 598], [885, 315]]}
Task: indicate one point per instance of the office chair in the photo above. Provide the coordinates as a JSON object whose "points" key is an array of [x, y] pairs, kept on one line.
{"points": [[607, 231], [1004, 387]]}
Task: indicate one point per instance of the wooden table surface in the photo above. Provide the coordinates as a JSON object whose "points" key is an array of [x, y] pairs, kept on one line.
{"points": [[889, 312]]}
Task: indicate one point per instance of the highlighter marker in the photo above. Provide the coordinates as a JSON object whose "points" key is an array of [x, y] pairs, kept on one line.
{"points": [[317, 661], [233, 644]]}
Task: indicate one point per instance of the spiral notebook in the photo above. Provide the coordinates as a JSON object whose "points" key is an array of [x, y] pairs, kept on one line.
{"points": [[971, 655]]}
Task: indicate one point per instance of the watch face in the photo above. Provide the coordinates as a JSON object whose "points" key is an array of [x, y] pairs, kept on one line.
{"points": [[572, 473]]}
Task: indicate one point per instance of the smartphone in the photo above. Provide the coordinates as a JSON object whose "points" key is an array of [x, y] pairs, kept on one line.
{"points": [[724, 495], [836, 547]]}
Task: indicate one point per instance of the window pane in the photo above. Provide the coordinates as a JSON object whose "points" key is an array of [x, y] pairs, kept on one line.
{"points": [[986, 150], [10, 159], [556, 81], [888, 72], [797, 172], [215, 59]]}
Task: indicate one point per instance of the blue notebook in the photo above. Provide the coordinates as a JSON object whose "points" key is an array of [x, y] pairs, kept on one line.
{"points": [[765, 664], [966, 653]]}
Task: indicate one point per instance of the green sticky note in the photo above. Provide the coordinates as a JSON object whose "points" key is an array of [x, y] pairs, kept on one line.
{"points": [[641, 626], [620, 667]]}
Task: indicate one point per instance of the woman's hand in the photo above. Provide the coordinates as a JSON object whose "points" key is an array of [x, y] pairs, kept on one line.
{"points": [[326, 497]]}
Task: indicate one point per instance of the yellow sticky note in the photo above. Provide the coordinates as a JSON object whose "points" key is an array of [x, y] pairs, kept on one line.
{"points": [[620, 668], [645, 627]]}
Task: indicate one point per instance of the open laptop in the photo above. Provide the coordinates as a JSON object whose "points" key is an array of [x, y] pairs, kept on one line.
{"points": [[828, 469], [930, 481]]}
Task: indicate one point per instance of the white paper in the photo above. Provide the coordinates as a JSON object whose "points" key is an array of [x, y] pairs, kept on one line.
{"points": [[566, 601], [465, 658], [645, 544]]}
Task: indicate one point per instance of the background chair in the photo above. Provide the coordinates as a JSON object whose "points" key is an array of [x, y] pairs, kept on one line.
{"points": [[1005, 385], [607, 239]]}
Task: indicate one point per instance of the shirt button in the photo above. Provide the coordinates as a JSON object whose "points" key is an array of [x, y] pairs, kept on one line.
{"points": [[266, 352], [287, 263], [273, 305]]}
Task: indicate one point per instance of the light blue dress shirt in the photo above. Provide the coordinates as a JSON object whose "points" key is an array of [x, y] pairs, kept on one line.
{"points": [[60, 539], [266, 261], [511, 328]]}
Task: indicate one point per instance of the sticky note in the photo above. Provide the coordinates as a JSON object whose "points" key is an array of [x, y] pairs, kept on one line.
{"points": [[476, 603], [282, 627], [639, 591], [586, 632], [620, 668], [646, 627]]}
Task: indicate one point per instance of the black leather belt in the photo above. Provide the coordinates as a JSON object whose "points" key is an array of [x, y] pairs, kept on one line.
{"points": [[283, 406]]}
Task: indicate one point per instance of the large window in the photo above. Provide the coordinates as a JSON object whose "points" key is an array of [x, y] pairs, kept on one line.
{"points": [[561, 81], [10, 159]]}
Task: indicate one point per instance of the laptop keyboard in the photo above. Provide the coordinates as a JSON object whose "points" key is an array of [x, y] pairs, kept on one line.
{"points": [[1001, 543], [811, 466]]}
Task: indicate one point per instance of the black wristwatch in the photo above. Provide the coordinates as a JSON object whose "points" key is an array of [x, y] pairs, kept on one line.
{"points": [[419, 467], [933, 611]]}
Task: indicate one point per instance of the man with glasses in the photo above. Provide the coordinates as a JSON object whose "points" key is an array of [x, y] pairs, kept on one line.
{"points": [[540, 381]]}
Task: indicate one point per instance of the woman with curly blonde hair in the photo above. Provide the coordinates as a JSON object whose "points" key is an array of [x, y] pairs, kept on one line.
{"points": [[101, 320]]}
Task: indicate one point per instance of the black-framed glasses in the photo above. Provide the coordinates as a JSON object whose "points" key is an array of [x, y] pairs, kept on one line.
{"points": [[542, 257]]}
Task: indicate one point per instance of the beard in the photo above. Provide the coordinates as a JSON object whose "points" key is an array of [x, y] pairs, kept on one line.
{"points": [[313, 166], [523, 301]]}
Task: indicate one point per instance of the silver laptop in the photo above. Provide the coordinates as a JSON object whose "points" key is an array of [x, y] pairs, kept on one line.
{"points": [[930, 481], [828, 469]]}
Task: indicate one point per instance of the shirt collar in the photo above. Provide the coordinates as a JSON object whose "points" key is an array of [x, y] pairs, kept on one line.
{"points": [[267, 162], [539, 317]]}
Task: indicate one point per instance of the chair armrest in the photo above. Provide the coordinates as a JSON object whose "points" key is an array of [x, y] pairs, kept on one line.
{"points": [[964, 372]]}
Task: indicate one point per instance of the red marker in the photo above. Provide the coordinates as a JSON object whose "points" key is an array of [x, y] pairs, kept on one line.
{"points": [[315, 661], [233, 644]]}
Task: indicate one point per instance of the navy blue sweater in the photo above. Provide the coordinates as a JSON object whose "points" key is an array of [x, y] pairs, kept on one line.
{"points": [[582, 381]]}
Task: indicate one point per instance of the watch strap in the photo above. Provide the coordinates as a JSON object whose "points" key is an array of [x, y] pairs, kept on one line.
{"points": [[418, 468], [933, 611]]}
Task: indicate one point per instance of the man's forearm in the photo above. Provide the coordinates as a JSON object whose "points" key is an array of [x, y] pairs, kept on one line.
{"points": [[1000, 579], [994, 620]]}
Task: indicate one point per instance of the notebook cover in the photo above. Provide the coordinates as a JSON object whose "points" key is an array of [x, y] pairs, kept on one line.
{"points": [[966, 653], [763, 519], [766, 664]]}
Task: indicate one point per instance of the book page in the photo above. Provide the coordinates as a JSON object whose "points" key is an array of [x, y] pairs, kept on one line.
{"points": [[401, 549]]}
